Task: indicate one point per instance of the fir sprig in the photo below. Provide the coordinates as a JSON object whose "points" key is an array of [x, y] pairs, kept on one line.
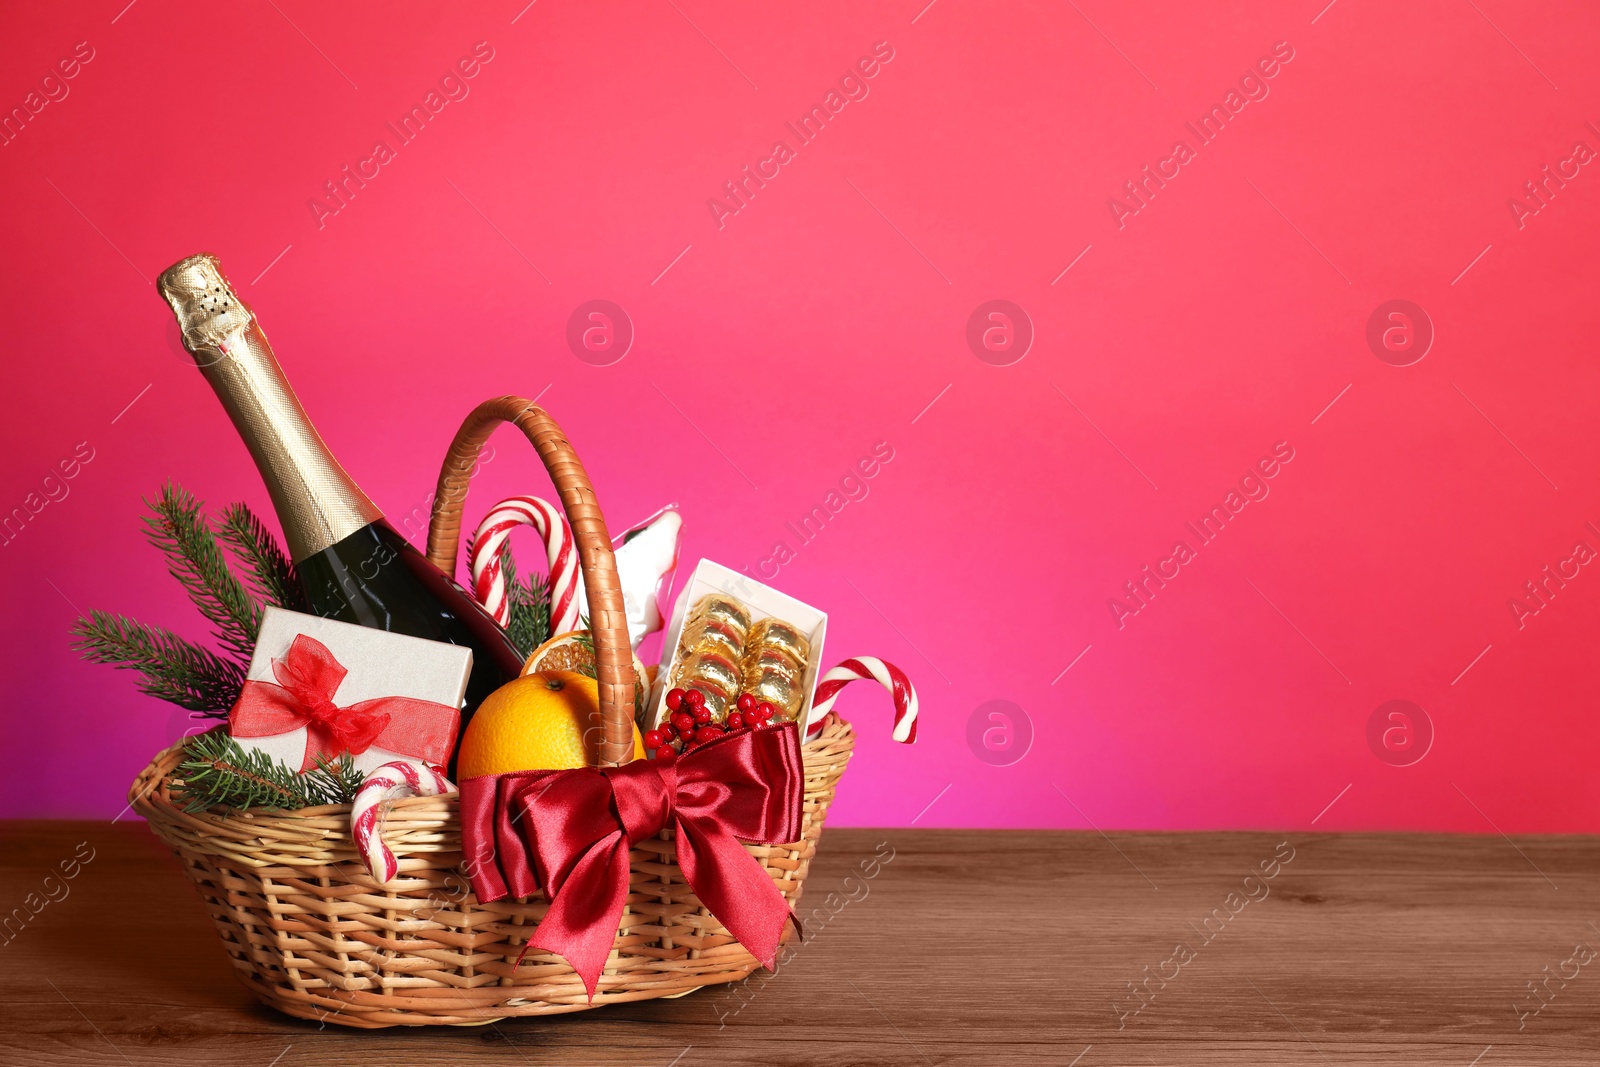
{"points": [[181, 532], [585, 641], [217, 771], [174, 669], [268, 572], [529, 601], [178, 670]]}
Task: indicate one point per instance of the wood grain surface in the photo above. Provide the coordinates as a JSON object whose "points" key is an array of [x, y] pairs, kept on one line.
{"points": [[968, 947]]}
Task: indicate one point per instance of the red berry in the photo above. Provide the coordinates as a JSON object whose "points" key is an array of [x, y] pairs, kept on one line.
{"points": [[735, 721], [666, 752], [702, 714], [674, 698], [706, 733], [766, 710], [695, 697], [746, 701], [668, 731], [654, 739], [684, 722]]}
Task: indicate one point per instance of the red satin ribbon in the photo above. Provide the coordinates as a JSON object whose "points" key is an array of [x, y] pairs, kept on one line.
{"points": [[308, 677], [570, 831]]}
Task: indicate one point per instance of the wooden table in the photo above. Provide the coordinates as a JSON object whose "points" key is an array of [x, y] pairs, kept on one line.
{"points": [[967, 948]]}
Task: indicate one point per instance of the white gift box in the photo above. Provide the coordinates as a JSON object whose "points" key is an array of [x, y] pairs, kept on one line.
{"points": [[762, 601], [378, 664]]}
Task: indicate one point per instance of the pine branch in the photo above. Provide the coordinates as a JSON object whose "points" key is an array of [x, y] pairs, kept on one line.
{"points": [[217, 770], [269, 573], [529, 626], [585, 640], [178, 670], [174, 669], [185, 537]]}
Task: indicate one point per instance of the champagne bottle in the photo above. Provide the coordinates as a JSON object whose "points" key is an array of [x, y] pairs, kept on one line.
{"points": [[354, 566]]}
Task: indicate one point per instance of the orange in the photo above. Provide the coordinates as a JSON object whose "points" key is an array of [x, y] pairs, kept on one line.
{"points": [[548, 720]]}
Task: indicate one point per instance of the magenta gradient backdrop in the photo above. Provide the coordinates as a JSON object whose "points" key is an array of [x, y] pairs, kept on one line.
{"points": [[830, 312]]}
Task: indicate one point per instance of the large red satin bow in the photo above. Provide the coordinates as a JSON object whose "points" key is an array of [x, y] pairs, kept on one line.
{"points": [[570, 831], [308, 677]]}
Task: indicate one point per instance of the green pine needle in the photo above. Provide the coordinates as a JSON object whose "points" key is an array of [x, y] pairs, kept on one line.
{"points": [[268, 572], [184, 535], [174, 669], [585, 639], [217, 771], [530, 606]]}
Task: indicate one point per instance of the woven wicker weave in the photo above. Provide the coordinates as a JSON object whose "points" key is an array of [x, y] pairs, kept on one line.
{"points": [[312, 934]]}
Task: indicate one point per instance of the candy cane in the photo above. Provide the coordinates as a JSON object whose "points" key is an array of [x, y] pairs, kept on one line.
{"points": [[488, 581], [887, 675], [390, 782]]}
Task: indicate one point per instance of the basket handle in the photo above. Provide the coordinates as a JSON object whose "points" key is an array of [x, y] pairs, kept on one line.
{"points": [[608, 618]]}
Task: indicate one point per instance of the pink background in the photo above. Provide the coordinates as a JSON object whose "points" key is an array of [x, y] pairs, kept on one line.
{"points": [[829, 313]]}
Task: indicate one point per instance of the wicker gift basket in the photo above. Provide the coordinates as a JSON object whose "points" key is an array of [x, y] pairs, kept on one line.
{"points": [[311, 933]]}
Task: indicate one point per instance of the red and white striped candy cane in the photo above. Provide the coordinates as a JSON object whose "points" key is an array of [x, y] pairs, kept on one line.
{"points": [[887, 675], [390, 782], [488, 581]]}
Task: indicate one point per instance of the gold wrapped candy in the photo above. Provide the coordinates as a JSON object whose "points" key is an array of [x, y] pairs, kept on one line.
{"points": [[716, 635], [718, 702], [711, 667], [775, 666], [771, 658], [776, 634], [723, 609], [779, 686]]}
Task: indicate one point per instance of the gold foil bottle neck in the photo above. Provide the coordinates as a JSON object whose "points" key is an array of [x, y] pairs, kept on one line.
{"points": [[318, 504], [207, 308]]}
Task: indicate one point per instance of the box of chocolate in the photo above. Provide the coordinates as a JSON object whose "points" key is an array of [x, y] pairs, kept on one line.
{"points": [[729, 635]]}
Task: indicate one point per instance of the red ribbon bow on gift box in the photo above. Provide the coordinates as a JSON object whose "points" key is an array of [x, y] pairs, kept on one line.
{"points": [[570, 831], [308, 677]]}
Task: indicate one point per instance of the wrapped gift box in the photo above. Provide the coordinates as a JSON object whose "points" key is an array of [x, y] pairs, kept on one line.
{"points": [[316, 684]]}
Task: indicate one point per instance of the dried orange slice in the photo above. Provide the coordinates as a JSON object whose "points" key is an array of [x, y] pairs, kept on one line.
{"points": [[574, 651]]}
